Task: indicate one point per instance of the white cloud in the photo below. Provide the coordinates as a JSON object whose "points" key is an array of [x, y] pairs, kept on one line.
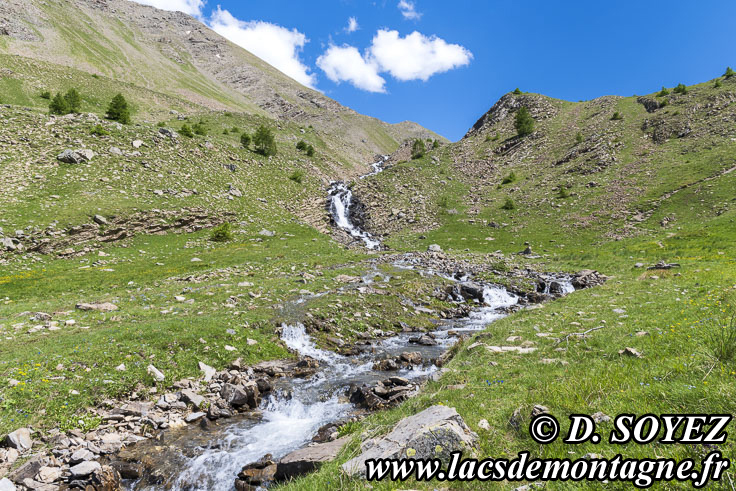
{"points": [[352, 25], [408, 10], [345, 63], [191, 7], [416, 56], [276, 45]]}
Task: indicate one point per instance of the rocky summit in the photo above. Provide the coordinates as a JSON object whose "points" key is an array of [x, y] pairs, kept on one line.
{"points": [[214, 277]]}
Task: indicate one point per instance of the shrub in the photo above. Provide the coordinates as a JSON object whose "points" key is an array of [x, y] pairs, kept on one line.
{"points": [[436, 144], [199, 128], [664, 103], [118, 110], [186, 131], [417, 149], [616, 116], [729, 72], [235, 130], [721, 338], [245, 140], [665, 91], [310, 151], [524, 123], [58, 105], [46, 95], [563, 193], [73, 101], [301, 145], [718, 84], [517, 91], [99, 130], [264, 141], [510, 178], [297, 176], [161, 124], [508, 204], [443, 201], [680, 89], [226, 131], [579, 137], [223, 233]]}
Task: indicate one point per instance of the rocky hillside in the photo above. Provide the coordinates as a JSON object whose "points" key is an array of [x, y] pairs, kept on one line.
{"points": [[609, 168], [174, 54]]}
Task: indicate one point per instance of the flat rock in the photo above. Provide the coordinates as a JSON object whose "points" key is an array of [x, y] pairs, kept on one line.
{"points": [[307, 459], [101, 307], [433, 433], [85, 468], [20, 439], [7, 485], [208, 371]]}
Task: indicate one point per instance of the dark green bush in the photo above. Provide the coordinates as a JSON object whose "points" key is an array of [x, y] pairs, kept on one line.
{"points": [[264, 141], [186, 131], [665, 91], [99, 130], [245, 140], [510, 178], [297, 176], [223, 233], [58, 105], [118, 110], [301, 145], [680, 89], [508, 204], [524, 123], [617, 116], [418, 149], [46, 95], [729, 72], [517, 91], [579, 137], [310, 151], [199, 128]]}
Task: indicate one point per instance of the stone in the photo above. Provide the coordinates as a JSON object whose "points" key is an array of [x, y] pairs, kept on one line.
{"points": [[424, 340], [70, 157], [600, 417], [471, 291], [208, 371], [100, 307], [243, 395], [100, 220], [434, 248], [48, 474], [115, 151], [137, 143], [85, 468], [194, 417], [307, 459], [192, 397], [433, 433], [155, 373], [20, 439], [633, 352], [484, 425], [86, 154], [168, 133], [7, 485], [266, 233], [120, 368], [80, 456]]}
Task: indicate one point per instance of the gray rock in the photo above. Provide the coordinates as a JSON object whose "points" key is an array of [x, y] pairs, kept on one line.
{"points": [[208, 371], [434, 248], [433, 433], [155, 373], [70, 157], [115, 151], [80, 456], [85, 154], [309, 458], [85, 468], [101, 307], [168, 133], [194, 417], [137, 143], [266, 233], [20, 439], [100, 220], [192, 397]]}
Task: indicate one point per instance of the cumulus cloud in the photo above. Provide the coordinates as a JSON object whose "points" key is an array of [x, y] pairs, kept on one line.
{"points": [[416, 56], [274, 44], [191, 7], [345, 63], [352, 25], [409, 10]]}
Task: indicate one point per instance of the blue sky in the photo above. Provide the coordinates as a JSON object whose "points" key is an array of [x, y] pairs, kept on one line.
{"points": [[443, 64]]}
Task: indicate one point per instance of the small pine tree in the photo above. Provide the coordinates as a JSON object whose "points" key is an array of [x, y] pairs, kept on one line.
{"points": [[264, 141], [417, 149], [563, 193], [297, 176], [616, 116], [199, 128], [508, 204], [524, 122], [517, 91], [436, 144], [718, 84], [223, 233], [118, 110], [73, 101], [665, 91], [310, 151], [46, 95], [186, 131], [226, 131], [579, 138], [58, 105], [99, 130], [680, 89], [729, 72], [245, 140], [301, 145], [510, 178]]}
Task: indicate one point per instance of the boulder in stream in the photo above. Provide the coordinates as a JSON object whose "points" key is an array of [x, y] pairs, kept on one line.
{"points": [[433, 433]]}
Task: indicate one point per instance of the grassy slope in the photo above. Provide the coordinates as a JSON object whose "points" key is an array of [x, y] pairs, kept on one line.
{"points": [[683, 311]]}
